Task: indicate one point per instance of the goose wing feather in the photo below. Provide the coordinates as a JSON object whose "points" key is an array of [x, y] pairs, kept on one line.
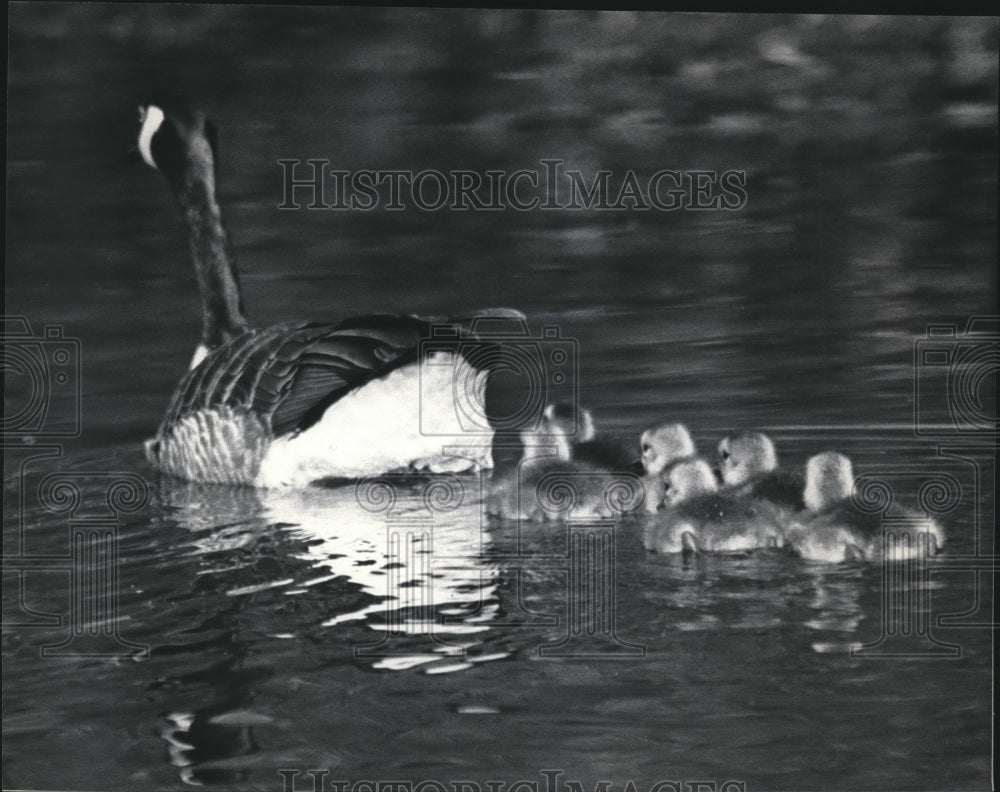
{"points": [[324, 367], [289, 374]]}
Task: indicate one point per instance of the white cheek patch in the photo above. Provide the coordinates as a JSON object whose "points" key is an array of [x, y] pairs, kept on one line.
{"points": [[151, 123], [199, 354]]}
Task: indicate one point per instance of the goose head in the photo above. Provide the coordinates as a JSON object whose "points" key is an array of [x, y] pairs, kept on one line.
{"points": [[179, 143], [744, 456]]}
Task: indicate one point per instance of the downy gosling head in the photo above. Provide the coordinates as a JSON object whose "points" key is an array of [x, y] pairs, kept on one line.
{"points": [[745, 456], [687, 479], [663, 445]]}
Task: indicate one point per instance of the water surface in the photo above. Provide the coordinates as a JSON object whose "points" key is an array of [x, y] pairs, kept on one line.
{"points": [[254, 631]]}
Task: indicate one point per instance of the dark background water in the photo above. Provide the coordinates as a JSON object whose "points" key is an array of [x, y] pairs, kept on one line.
{"points": [[870, 151]]}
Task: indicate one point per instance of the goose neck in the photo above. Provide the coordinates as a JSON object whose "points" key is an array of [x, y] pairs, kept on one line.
{"points": [[223, 315]]}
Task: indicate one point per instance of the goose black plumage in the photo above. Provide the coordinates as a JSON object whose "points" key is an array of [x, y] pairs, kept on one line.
{"points": [[294, 403]]}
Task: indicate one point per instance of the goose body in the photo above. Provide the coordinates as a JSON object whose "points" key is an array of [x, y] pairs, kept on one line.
{"points": [[833, 529], [294, 403], [290, 404], [699, 516]]}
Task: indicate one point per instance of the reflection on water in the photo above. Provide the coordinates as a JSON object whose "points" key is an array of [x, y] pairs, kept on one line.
{"points": [[409, 549], [307, 630], [418, 563], [264, 612]]}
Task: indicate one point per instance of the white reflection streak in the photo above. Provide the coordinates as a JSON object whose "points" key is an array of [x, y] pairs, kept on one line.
{"points": [[424, 564], [412, 563]]}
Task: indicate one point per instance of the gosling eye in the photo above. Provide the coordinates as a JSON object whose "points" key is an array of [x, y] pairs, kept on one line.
{"points": [[725, 455], [645, 447]]}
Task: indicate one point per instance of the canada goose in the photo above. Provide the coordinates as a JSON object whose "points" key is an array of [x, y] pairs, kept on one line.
{"points": [[291, 404], [748, 464], [551, 482], [833, 529], [699, 516]]}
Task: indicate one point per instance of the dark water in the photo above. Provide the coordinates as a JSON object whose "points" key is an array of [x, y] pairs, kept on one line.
{"points": [[253, 633]]}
